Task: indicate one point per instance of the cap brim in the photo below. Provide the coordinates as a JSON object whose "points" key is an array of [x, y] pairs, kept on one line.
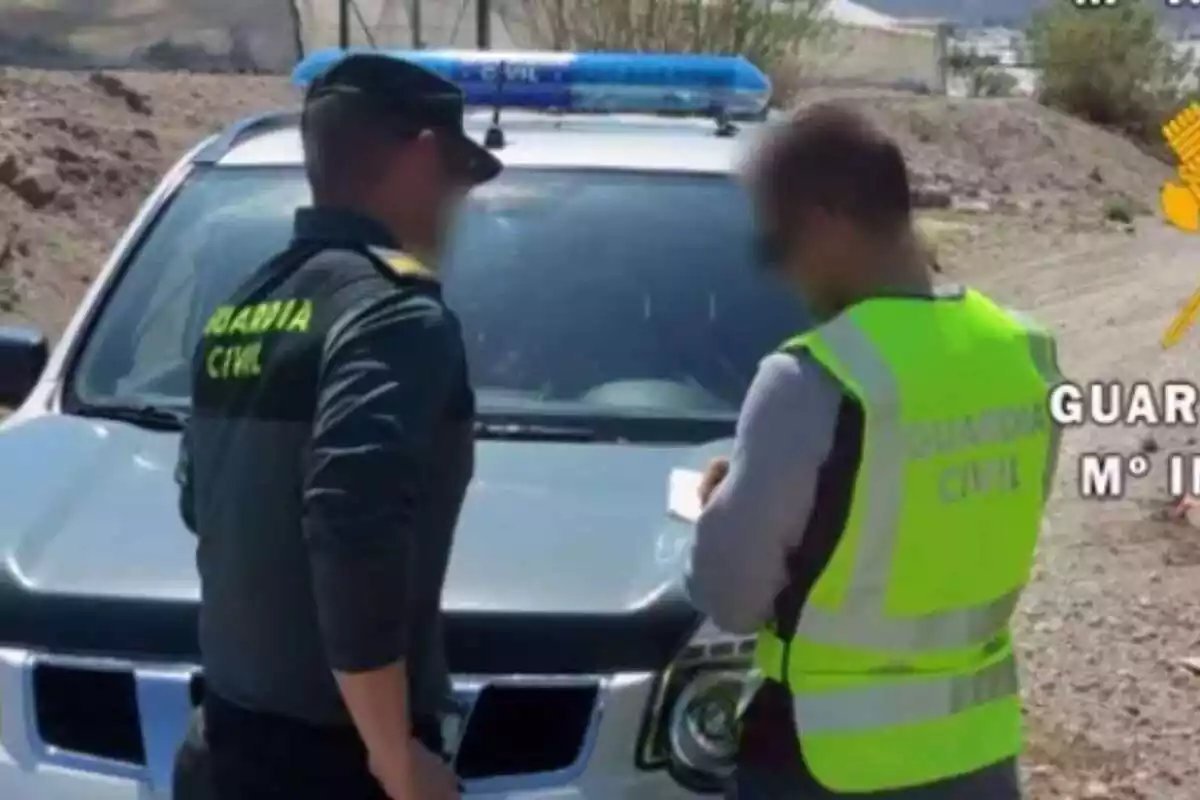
{"points": [[474, 161]]}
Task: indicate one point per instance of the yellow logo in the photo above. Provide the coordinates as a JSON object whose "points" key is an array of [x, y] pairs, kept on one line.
{"points": [[1181, 202]]}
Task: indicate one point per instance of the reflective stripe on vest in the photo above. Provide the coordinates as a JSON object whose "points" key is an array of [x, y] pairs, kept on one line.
{"points": [[861, 621], [883, 706]]}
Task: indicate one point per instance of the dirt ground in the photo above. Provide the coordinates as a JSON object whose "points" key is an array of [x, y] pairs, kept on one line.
{"points": [[79, 152], [1113, 712], [1112, 613]]}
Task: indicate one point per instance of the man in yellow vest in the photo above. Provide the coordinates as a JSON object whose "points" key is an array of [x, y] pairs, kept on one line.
{"points": [[878, 517]]}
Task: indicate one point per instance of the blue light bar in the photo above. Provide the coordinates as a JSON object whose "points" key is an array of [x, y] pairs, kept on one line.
{"points": [[584, 82]]}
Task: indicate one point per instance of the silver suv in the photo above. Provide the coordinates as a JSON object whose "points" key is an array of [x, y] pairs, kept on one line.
{"points": [[614, 317]]}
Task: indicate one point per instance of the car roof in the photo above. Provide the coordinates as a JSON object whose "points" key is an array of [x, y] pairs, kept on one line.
{"points": [[635, 142]]}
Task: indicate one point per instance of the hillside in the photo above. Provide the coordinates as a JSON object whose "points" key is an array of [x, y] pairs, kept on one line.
{"points": [[78, 151]]}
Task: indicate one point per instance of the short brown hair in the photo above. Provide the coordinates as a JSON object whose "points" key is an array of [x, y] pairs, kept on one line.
{"points": [[831, 157], [342, 139]]}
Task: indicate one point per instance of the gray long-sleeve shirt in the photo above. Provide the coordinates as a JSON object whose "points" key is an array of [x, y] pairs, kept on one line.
{"points": [[758, 513]]}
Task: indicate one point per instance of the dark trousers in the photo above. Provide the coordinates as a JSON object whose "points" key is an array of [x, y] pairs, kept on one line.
{"points": [[234, 754], [772, 767], [999, 782]]}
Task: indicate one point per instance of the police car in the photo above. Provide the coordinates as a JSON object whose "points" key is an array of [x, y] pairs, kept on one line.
{"points": [[614, 315]]}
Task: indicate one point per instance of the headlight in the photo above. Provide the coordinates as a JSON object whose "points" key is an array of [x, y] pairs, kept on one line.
{"points": [[692, 726], [703, 724]]}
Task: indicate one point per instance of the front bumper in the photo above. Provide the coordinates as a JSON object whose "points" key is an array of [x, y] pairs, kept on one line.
{"points": [[29, 770], [55, 783]]}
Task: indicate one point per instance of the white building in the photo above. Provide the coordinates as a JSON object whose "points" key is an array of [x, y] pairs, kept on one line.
{"points": [[868, 48], [1007, 46]]}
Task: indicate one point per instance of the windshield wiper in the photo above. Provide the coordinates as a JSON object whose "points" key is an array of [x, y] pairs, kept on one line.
{"points": [[154, 417], [526, 432]]}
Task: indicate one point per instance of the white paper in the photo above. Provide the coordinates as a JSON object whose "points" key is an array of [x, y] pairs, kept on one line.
{"points": [[683, 494]]}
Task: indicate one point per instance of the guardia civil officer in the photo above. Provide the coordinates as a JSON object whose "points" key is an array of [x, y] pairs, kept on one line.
{"points": [[327, 458], [877, 519]]}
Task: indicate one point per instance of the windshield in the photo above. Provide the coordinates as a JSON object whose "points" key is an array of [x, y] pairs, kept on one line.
{"points": [[599, 296]]}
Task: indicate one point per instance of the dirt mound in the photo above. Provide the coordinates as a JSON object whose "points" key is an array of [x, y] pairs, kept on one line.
{"points": [[1013, 152], [79, 151], [78, 154]]}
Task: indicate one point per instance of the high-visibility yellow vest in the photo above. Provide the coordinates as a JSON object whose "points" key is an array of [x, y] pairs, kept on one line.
{"points": [[901, 665]]}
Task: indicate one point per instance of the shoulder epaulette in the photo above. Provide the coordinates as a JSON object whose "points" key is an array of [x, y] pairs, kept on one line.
{"points": [[403, 264]]}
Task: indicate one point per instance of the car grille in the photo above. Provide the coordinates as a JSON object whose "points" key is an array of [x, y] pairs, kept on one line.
{"points": [[91, 712], [539, 729], [511, 729]]}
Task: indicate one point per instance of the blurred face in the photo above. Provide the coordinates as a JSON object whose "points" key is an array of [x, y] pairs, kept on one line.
{"points": [[419, 180], [821, 255]]}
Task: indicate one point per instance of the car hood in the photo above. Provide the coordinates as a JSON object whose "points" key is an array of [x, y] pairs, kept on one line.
{"points": [[90, 516]]}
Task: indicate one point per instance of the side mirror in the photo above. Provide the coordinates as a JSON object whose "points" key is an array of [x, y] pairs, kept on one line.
{"points": [[23, 356]]}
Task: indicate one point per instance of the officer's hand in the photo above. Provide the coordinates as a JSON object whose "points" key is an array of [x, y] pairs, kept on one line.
{"points": [[422, 775], [717, 469], [435, 779]]}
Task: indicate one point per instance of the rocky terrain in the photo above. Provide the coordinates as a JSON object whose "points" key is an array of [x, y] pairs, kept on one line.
{"points": [[1050, 215], [1110, 630], [78, 152]]}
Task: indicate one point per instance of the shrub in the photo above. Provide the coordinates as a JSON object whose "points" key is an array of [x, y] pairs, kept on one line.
{"points": [[1112, 66], [995, 83], [1124, 209], [1118, 209], [787, 74], [983, 74], [769, 35]]}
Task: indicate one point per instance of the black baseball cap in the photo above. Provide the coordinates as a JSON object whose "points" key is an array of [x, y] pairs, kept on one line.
{"points": [[409, 98]]}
